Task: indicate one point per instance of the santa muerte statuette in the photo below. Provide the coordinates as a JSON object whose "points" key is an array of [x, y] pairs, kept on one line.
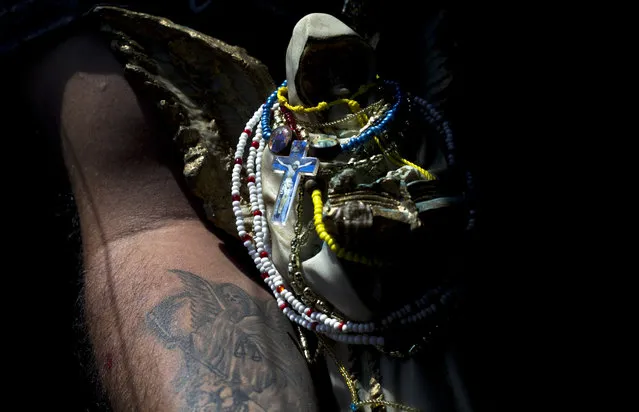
{"points": [[343, 252]]}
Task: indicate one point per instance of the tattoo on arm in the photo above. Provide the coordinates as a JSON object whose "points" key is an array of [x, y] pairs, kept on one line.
{"points": [[236, 352]]}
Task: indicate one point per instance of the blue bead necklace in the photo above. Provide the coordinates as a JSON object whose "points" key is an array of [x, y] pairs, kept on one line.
{"points": [[375, 129]]}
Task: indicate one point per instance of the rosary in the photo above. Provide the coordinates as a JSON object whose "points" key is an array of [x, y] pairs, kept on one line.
{"points": [[297, 149]]}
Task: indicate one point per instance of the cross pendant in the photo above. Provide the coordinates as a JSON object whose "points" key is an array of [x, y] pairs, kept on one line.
{"points": [[293, 166]]}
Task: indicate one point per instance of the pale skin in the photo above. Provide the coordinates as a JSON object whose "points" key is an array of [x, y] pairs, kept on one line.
{"points": [[175, 324]]}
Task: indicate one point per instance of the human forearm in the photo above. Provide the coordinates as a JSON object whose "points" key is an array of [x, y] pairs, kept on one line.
{"points": [[175, 328], [145, 249]]}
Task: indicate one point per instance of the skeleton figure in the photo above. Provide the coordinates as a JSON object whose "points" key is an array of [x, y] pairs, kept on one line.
{"points": [[356, 292]]}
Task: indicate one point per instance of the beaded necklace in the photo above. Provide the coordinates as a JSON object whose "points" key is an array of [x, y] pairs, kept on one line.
{"points": [[298, 312], [442, 126], [376, 401], [367, 110], [306, 315], [431, 303], [301, 305], [352, 143], [290, 305], [283, 116], [316, 196], [297, 283], [321, 106]]}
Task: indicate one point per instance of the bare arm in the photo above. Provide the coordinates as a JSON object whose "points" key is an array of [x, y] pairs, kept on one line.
{"points": [[178, 327], [174, 323]]}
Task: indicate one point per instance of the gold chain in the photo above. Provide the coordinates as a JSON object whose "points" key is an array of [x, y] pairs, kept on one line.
{"points": [[356, 403], [368, 109], [299, 286], [323, 346]]}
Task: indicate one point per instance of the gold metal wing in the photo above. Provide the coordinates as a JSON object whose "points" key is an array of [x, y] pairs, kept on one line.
{"points": [[205, 90]]}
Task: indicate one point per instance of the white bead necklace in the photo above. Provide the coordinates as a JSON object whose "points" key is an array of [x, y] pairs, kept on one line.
{"points": [[259, 250], [295, 310]]}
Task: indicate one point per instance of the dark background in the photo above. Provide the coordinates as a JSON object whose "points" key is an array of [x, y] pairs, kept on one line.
{"points": [[425, 48]]}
